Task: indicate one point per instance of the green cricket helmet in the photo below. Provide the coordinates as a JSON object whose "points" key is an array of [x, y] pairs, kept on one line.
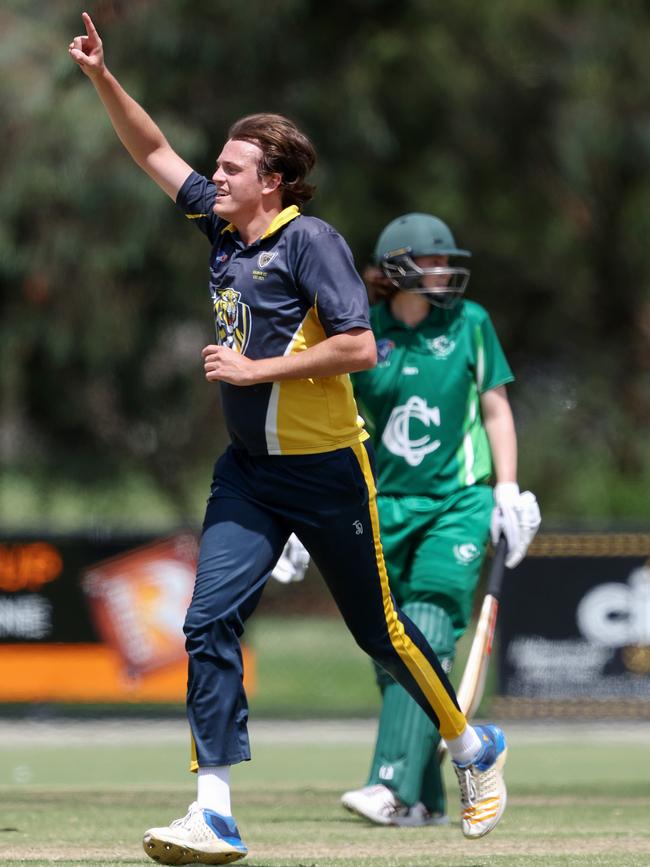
{"points": [[413, 235]]}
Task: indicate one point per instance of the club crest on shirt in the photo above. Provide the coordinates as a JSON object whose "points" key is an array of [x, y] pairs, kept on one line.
{"points": [[441, 346], [232, 319], [384, 349], [265, 259]]}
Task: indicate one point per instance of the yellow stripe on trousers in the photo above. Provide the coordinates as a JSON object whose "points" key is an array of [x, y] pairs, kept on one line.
{"points": [[452, 721]]}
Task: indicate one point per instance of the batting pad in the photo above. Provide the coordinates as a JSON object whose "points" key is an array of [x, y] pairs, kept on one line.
{"points": [[405, 753]]}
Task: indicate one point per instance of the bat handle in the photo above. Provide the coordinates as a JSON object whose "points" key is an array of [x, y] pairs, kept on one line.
{"points": [[495, 578]]}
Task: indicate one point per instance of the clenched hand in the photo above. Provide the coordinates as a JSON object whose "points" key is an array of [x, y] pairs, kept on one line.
{"points": [[225, 365]]}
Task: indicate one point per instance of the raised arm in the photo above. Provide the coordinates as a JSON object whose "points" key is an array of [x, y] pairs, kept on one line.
{"points": [[136, 130]]}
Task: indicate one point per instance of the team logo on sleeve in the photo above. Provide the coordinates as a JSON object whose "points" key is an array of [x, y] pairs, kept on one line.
{"points": [[384, 349], [412, 417], [232, 319]]}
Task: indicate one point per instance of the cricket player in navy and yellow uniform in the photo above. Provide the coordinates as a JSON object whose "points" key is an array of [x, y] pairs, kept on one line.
{"points": [[291, 322]]}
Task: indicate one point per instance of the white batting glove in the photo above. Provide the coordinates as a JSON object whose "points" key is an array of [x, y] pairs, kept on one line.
{"points": [[293, 562], [517, 517]]}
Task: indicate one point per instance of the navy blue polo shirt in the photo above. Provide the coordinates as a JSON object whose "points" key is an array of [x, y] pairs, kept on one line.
{"points": [[289, 290]]}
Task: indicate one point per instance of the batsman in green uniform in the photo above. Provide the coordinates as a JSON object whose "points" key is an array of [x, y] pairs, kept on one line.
{"points": [[443, 430]]}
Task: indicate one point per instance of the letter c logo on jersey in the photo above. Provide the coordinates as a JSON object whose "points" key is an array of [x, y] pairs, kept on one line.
{"points": [[232, 320], [397, 433]]}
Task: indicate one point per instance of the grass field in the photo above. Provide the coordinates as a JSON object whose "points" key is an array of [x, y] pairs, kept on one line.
{"points": [[83, 795]]}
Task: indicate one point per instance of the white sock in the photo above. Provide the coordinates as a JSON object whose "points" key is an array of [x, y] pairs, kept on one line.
{"points": [[465, 747], [213, 789]]}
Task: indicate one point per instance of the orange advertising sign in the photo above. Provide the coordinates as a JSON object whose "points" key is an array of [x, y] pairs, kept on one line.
{"points": [[139, 599], [77, 625], [28, 566], [92, 673]]}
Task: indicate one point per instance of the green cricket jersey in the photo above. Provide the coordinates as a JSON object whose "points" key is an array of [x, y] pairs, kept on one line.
{"points": [[421, 401]]}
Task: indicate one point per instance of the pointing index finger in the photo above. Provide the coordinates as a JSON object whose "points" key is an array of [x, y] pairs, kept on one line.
{"points": [[90, 27]]}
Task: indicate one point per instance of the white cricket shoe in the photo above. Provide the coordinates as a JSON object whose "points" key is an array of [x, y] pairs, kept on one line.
{"points": [[482, 788], [380, 805], [201, 837], [376, 803]]}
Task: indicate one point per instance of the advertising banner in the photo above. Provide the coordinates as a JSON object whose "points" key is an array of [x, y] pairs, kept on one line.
{"points": [[96, 618], [138, 602], [575, 621]]}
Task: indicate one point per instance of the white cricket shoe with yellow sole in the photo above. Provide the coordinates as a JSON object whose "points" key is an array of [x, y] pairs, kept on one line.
{"points": [[482, 788], [201, 837]]}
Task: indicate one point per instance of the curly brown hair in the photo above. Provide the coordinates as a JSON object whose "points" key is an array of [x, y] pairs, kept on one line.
{"points": [[285, 150]]}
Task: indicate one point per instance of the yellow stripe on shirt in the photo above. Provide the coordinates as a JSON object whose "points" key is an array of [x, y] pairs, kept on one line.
{"points": [[313, 414]]}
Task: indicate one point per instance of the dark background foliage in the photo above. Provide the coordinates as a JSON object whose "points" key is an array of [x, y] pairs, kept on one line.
{"points": [[525, 124]]}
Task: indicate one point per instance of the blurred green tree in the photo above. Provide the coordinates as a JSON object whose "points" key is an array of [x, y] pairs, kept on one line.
{"points": [[525, 124]]}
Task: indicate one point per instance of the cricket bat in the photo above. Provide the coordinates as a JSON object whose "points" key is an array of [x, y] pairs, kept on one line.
{"points": [[472, 684]]}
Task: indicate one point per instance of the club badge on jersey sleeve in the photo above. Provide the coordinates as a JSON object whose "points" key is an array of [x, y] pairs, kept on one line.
{"points": [[384, 349], [232, 319]]}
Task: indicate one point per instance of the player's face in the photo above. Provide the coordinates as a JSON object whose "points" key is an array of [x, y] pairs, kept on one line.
{"points": [[433, 281], [240, 191]]}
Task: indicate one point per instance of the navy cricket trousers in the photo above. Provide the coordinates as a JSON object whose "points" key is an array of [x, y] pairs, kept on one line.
{"points": [[256, 502]]}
